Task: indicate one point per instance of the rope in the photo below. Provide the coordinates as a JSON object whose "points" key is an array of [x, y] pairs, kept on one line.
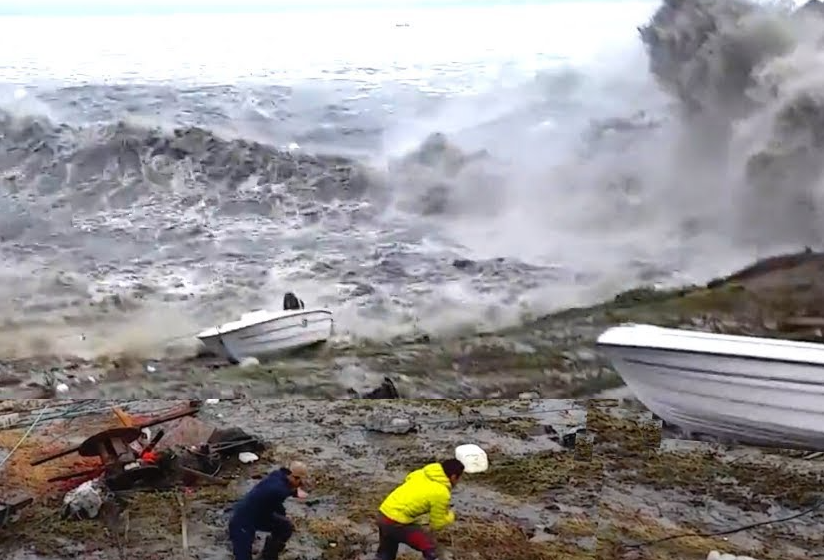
{"points": [[817, 506], [22, 439], [76, 410], [83, 336], [463, 418]]}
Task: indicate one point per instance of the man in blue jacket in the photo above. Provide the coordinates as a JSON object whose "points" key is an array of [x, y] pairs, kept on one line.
{"points": [[262, 509]]}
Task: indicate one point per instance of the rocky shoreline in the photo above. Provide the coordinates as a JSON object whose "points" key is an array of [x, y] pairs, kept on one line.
{"points": [[740, 500], [621, 491], [553, 356], [353, 462]]}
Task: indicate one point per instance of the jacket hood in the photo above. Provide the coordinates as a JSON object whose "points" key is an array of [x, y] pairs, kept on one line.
{"points": [[435, 473]]}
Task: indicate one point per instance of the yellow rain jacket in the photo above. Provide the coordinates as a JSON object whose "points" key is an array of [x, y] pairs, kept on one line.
{"points": [[425, 490]]}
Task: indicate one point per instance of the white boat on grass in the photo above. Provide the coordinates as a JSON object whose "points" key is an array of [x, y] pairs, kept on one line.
{"points": [[263, 334], [761, 391]]}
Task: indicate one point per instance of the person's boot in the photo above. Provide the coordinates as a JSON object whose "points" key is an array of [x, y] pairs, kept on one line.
{"points": [[272, 549]]}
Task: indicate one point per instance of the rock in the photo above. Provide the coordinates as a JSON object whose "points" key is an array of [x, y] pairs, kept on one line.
{"points": [[522, 348], [387, 390], [236, 440], [362, 290], [249, 362], [380, 422], [814, 7], [8, 380]]}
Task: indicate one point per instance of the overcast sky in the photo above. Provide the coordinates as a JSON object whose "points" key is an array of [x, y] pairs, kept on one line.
{"points": [[146, 6]]}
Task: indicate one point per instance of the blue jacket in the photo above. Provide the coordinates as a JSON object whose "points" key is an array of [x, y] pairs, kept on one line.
{"points": [[264, 499]]}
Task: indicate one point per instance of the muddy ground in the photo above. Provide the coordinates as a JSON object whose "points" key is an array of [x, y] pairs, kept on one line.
{"points": [[503, 513], [553, 355]]}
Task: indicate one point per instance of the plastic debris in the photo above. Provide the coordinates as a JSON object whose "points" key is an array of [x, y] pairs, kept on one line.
{"points": [[387, 424], [212, 401], [246, 457], [61, 388], [8, 420], [474, 458], [715, 555], [85, 501]]}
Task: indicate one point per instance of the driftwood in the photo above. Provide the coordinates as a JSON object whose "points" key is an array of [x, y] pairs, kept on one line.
{"points": [[10, 506], [184, 526], [793, 323]]}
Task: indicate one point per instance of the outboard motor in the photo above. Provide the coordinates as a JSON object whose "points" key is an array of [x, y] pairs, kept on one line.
{"points": [[291, 302]]}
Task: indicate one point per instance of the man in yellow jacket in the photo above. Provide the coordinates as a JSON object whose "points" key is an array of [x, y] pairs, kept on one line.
{"points": [[425, 491]]}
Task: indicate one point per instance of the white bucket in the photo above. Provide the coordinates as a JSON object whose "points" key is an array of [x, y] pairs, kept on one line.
{"points": [[474, 458]]}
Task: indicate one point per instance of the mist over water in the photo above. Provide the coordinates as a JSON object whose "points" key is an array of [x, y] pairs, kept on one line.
{"points": [[153, 183]]}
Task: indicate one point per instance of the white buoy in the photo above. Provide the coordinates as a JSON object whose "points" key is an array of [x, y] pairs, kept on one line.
{"points": [[474, 458]]}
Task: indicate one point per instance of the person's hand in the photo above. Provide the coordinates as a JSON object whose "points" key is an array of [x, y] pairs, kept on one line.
{"points": [[302, 494]]}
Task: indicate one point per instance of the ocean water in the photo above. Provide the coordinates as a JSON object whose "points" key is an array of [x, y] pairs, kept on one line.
{"points": [[160, 173]]}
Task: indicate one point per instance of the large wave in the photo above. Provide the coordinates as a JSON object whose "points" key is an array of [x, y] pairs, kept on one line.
{"points": [[729, 170], [748, 80], [105, 226]]}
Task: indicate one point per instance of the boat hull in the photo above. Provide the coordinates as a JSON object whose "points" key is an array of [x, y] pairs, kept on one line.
{"points": [[777, 403], [271, 338]]}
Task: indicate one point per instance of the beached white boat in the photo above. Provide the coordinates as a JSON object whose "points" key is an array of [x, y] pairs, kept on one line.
{"points": [[262, 334], [761, 391]]}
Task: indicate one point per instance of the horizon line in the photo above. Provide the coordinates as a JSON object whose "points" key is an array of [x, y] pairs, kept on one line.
{"points": [[241, 8]]}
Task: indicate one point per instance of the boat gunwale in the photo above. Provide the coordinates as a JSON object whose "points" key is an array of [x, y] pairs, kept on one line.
{"points": [[667, 341], [713, 353], [218, 332]]}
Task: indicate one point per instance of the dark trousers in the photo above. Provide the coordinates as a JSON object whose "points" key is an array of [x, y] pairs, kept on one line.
{"points": [[242, 535], [393, 534]]}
